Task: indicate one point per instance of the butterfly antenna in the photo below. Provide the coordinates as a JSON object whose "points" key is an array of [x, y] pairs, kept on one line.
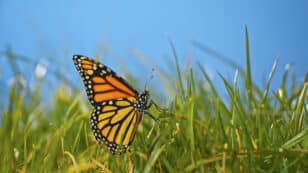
{"points": [[149, 79]]}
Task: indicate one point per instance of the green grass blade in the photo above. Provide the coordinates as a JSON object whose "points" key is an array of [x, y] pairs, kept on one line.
{"points": [[178, 70], [300, 107], [215, 54], [296, 139], [208, 79], [249, 87], [153, 157], [265, 94], [191, 127]]}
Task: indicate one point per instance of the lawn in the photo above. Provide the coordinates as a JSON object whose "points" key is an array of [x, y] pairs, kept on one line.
{"points": [[254, 129]]}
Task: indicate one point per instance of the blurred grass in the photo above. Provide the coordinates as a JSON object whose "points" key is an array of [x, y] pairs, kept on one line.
{"points": [[254, 130]]}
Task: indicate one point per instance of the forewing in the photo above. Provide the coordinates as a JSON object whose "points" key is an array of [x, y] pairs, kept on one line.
{"points": [[101, 83]]}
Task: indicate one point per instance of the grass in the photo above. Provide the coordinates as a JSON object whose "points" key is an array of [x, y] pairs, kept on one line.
{"points": [[254, 130]]}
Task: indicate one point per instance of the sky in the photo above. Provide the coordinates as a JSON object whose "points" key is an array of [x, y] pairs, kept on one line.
{"points": [[50, 32]]}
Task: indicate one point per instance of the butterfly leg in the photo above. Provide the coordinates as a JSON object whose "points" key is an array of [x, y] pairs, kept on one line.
{"points": [[151, 116], [156, 106]]}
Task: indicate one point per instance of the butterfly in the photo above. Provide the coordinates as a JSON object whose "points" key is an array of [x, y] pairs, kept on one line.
{"points": [[118, 107]]}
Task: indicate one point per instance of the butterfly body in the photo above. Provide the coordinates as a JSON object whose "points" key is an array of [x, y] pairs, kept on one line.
{"points": [[118, 107]]}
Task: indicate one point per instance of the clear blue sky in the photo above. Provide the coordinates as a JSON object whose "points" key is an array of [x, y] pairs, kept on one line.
{"points": [[58, 29]]}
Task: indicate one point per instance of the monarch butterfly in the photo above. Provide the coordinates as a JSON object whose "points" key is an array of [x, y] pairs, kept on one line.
{"points": [[118, 107]]}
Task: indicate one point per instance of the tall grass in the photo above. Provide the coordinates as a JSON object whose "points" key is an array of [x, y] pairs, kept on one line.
{"points": [[254, 130]]}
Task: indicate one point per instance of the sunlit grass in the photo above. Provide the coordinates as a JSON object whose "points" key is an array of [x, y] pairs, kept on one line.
{"points": [[254, 130]]}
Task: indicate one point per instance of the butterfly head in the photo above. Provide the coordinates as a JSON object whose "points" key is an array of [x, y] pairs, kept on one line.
{"points": [[142, 101]]}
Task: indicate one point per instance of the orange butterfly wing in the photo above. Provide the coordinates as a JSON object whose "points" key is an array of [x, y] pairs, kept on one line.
{"points": [[115, 124], [102, 84], [114, 120]]}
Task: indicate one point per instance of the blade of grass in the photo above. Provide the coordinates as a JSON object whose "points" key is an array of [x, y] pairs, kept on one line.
{"points": [[178, 70], [240, 111], [191, 127], [249, 87], [208, 79], [296, 139], [219, 56], [300, 107], [193, 84], [233, 129], [153, 157], [265, 94]]}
